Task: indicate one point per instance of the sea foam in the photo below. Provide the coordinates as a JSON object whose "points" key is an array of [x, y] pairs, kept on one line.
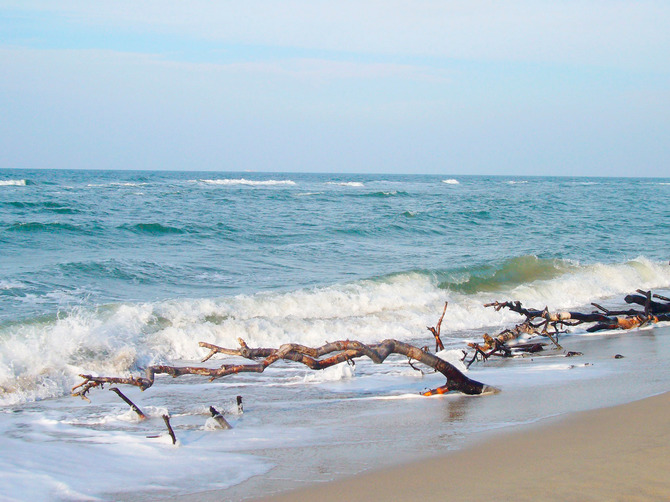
{"points": [[243, 181], [345, 183], [41, 359]]}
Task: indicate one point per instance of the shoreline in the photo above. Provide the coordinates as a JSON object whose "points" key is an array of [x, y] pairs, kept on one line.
{"points": [[555, 419], [615, 453]]}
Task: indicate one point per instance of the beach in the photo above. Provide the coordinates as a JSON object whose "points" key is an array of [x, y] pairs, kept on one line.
{"points": [[584, 430], [616, 453], [130, 270]]}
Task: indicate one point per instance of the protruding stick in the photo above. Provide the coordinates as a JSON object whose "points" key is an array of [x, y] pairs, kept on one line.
{"points": [[240, 408], [129, 402], [166, 418], [436, 330], [219, 418]]}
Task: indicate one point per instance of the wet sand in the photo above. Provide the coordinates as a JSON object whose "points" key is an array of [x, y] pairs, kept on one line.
{"points": [[617, 453]]}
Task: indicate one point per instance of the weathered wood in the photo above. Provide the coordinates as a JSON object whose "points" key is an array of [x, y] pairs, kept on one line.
{"points": [[654, 307], [129, 402], [436, 330], [336, 352], [166, 419], [223, 423]]}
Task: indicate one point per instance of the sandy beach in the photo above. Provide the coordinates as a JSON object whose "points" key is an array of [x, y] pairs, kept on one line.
{"points": [[617, 453]]}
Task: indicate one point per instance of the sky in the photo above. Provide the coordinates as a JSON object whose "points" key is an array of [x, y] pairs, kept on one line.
{"points": [[560, 87]]}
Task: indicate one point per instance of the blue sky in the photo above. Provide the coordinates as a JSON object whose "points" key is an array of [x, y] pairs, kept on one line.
{"points": [[445, 87]]}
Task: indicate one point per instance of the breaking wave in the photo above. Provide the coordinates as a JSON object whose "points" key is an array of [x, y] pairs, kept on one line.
{"points": [[41, 358], [15, 183], [345, 183], [242, 181]]}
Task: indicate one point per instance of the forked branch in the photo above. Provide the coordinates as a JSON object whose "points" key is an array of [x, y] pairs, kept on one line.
{"points": [[312, 357]]}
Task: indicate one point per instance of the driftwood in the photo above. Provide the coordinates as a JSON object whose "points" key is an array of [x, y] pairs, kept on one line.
{"points": [[436, 330], [129, 402], [605, 320], [223, 423], [537, 322], [504, 344], [166, 419], [334, 352]]}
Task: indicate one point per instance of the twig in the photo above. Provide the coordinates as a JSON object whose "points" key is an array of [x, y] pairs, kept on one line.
{"points": [[129, 402], [166, 418]]}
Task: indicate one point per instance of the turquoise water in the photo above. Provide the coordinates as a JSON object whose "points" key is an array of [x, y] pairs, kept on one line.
{"points": [[90, 237]]}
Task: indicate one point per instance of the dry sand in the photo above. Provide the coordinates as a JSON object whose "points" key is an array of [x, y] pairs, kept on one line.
{"points": [[618, 453]]}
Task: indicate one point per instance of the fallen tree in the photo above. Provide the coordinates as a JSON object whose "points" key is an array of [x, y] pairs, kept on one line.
{"points": [[505, 343], [312, 357], [537, 323]]}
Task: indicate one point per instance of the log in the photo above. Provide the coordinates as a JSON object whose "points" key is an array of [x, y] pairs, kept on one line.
{"points": [[654, 307], [312, 357]]}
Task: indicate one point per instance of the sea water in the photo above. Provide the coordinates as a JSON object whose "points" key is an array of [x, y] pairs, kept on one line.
{"points": [[107, 272]]}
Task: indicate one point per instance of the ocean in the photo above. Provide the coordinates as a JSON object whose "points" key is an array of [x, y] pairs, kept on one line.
{"points": [[107, 272]]}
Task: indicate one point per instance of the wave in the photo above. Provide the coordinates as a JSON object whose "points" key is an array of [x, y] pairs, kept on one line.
{"points": [[242, 181], [451, 182], [509, 273], [153, 228], [41, 358], [116, 184], [11, 285], [54, 207], [14, 183], [383, 195], [345, 183], [44, 227]]}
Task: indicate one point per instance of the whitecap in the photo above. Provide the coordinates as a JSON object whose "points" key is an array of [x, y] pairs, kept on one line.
{"points": [[243, 181], [15, 183], [451, 182], [345, 183]]}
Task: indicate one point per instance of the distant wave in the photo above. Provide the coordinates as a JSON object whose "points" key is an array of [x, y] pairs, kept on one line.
{"points": [[47, 206], [345, 183], [116, 184], [8, 285], [308, 194], [518, 182], [15, 183], [451, 182], [153, 228], [43, 227], [242, 181], [382, 195]]}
